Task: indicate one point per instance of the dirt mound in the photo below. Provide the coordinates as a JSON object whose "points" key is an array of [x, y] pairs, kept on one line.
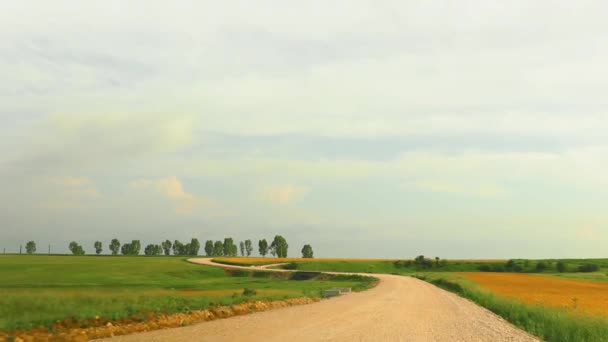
{"points": [[72, 330]]}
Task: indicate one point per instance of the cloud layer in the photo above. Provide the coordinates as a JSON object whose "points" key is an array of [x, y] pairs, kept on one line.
{"points": [[460, 129]]}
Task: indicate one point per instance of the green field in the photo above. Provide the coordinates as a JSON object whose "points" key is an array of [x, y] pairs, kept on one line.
{"points": [[408, 266], [40, 290], [362, 265]]}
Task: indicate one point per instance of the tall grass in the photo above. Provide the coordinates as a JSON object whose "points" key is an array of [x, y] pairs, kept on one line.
{"points": [[549, 324]]}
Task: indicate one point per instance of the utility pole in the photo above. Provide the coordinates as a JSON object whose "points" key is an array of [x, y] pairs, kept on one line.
{"points": [[20, 249]]}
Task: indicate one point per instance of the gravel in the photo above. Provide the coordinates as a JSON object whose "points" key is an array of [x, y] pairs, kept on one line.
{"points": [[398, 309]]}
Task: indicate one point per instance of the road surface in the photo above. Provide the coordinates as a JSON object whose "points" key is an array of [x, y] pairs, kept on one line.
{"points": [[398, 309]]}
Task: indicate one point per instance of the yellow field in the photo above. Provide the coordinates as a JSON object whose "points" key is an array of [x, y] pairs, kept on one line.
{"points": [[580, 296]]}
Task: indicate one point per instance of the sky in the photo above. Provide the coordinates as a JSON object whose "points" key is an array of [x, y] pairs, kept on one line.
{"points": [[384, 129]]}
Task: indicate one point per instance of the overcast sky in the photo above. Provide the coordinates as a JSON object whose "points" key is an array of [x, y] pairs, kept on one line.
{"points": [[464, 129]]}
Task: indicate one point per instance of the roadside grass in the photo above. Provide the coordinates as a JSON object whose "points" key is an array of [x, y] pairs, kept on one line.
{"points": [[548, 323], [41, 290]]}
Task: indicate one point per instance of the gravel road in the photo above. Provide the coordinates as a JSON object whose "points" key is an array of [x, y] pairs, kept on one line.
{"points": [[398, 309]]}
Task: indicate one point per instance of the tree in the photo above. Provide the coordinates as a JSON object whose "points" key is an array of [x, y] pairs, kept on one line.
{"points": [[152, 249], [234, 250], [30, 247], [279, 246], [510, 265], [135, 247], [242, 245], [98, 248], [218, 248], [561, 267], [193, 247], [125, 249], [75, 248], [588, 268], [166, 245], [436, 261], [263, 247], [132, 248], [230, 248], [177, 247], [209, 248], [422, 262], [541, 266], [248, 247], [307, 252], [115, 246]]}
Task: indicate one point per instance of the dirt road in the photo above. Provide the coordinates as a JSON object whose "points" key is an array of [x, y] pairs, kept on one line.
{"points": [[398, 309]]}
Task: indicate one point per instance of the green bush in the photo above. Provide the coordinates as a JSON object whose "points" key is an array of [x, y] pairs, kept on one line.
{"points": [[588, 268], [540, 267], [498, 268], [290, 266], [402, 263], [485, 268], [249, 292]]}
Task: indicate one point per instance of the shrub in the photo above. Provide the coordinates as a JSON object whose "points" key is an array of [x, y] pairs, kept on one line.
{"points": [[510, 265], [290, 266], [498, 268], [541, 266], [485, 268], [588, 268], [402, 263], [249, 292], [422, 263]]}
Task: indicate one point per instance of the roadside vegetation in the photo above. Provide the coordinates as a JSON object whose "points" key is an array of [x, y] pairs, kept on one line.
{"points": [[547, 322], [41, 290]]}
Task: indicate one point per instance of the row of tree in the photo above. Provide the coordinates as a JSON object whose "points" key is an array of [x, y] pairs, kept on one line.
{"points": [[277, 248]]}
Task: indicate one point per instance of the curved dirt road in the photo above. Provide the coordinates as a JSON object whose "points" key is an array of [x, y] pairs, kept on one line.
{"points": [[398, 309]]}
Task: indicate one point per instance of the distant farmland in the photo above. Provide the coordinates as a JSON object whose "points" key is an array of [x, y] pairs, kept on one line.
{"points": [[577, 296]]}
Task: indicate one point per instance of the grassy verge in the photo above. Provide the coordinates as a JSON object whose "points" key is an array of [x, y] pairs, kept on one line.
{"points": [[549, 324], [40, 290], [245, 262]]}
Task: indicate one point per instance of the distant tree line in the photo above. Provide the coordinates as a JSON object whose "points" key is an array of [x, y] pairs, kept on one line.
{"points": [[421, 263], [228, 248], [540, 266]]}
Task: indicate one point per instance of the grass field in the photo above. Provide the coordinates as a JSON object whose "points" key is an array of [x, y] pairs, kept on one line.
{"points": [[548, 322], [39, 290]]}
